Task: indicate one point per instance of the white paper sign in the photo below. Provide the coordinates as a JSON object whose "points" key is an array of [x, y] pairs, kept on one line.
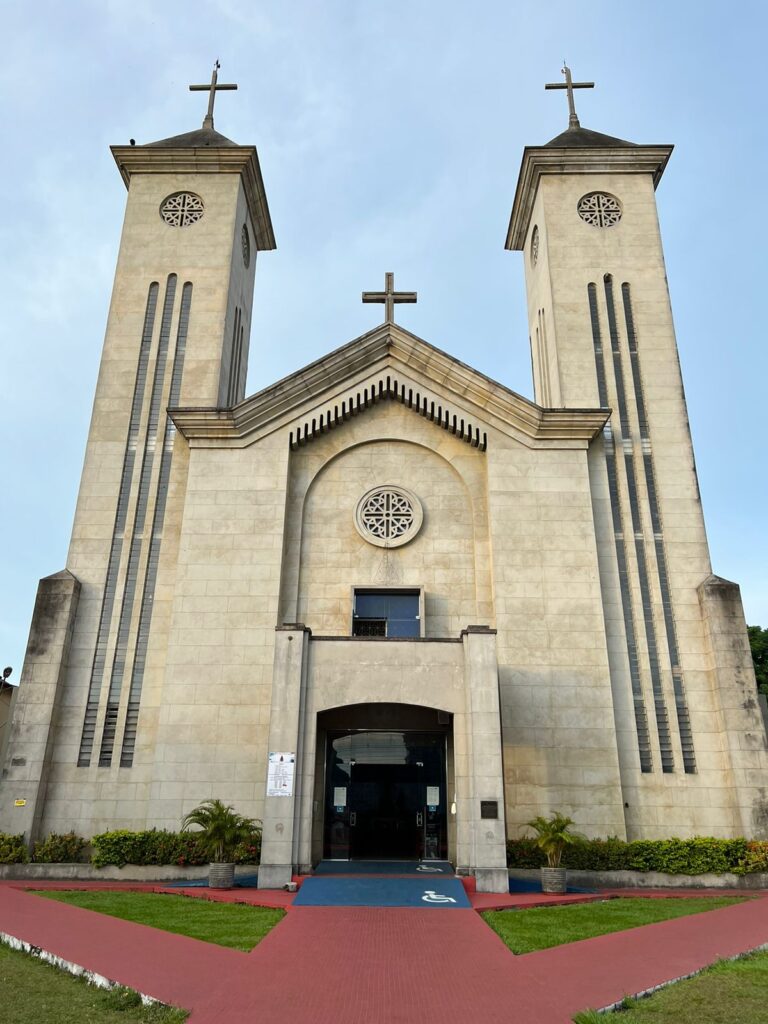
{"points": [[339, 796], [280, 773], [433, 795]]}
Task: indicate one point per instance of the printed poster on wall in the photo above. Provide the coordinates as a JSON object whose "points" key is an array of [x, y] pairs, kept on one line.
{"points": [[280, 773]]}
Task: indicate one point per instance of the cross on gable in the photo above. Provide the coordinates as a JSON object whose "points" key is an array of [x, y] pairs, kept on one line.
{"points": [[389, 297], [569, 85], [214, 87]]}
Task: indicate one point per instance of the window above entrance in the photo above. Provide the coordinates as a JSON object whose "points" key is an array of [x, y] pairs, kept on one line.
{"points": [[386, 613]]}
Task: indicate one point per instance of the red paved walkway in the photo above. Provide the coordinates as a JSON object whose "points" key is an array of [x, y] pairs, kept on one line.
{"points": [[336, 965]]}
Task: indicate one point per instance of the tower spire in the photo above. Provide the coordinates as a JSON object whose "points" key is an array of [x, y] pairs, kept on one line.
{"points": [[569, 85], [213, 88]]}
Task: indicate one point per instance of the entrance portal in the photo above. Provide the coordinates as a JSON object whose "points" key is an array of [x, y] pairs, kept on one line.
{"points": [[386, 794]]}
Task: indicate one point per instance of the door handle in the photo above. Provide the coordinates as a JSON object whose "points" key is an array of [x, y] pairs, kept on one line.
{"points": [[352, 818], [419, 819]]}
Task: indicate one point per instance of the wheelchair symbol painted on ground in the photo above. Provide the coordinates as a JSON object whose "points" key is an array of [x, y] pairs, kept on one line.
{"points": [[430, 896]]}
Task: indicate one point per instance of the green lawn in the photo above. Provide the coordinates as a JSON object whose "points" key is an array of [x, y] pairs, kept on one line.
{"points": [[730, 992], [226, 924], [33, 992], [543, 927]]}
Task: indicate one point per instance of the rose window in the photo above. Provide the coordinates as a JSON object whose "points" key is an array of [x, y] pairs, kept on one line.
{"points": [[388, 516], [182, 209], [599, 209]]}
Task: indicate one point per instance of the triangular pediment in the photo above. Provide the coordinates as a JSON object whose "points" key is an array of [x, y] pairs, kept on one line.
{"points": [[388, 363]]}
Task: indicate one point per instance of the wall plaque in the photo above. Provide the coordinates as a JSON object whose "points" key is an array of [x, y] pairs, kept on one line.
{"points": [[489, 808]]}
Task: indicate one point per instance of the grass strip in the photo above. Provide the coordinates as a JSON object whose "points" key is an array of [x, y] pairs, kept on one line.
{"points": [[34, 992], [728, 992], [525, 931], [227, 924]]}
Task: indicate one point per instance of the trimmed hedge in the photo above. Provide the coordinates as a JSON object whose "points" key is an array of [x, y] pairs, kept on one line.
{"points": [[12, 849], [157, 846], [64, 848], [698, 856]]}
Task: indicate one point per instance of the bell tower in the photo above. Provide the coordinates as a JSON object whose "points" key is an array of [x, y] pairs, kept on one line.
{"points": [[602, 334], [177, 335]]}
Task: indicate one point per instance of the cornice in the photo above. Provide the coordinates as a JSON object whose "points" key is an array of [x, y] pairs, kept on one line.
{"points": [[243, 160], [388, 363], [540, 160]]}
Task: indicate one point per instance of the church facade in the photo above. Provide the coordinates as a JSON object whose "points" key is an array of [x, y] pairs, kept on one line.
{"points": [[388, 605]]}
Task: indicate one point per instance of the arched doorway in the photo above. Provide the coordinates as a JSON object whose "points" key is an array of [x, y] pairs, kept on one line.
{"points": [[384, 779]]}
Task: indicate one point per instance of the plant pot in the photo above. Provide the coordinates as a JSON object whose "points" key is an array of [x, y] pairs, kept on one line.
{"points": [[221, 876], [553, 880]]}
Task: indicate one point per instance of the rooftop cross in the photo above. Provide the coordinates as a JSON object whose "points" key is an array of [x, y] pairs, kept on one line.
{"points": [[389, 297], [214, 87], [570, 85]]}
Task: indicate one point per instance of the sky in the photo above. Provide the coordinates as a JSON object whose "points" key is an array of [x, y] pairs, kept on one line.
{"points": [[390, 137]]}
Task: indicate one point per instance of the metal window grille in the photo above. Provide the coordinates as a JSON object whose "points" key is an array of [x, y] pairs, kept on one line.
{"points": [[113, 565], [641, 718], [153, 561], [660, 707], [137, 538], [678, 686]]}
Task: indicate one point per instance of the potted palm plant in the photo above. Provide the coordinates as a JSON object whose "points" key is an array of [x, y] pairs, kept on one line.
{"points": [[553, 834], [221, 830]]}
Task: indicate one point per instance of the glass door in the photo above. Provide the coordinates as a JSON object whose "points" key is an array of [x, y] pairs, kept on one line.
{"points": [[385, 796], [386, 812]]}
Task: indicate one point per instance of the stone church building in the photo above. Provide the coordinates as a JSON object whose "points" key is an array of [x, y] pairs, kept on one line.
{"points": [[388, 605]]}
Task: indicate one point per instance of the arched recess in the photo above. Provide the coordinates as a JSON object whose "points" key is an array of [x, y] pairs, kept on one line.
{"points": [[325, 557], [384, 783]]}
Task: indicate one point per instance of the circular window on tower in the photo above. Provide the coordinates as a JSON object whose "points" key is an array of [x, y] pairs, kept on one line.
{"points": [[180, 209], [388, 516], [246, 243], [535, 245], [599, 209]]}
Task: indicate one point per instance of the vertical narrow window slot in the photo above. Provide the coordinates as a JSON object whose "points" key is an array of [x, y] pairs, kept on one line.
{"points": [[641, 719], [681, 705], [150, 579], [137, 536], [240, 379], [113, 565], [662, 719], [234, 360], [541, 341]]}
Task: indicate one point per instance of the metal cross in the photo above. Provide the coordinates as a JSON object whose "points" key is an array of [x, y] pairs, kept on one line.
{"points": [[214, 87], [389, 297], [570, 85]]}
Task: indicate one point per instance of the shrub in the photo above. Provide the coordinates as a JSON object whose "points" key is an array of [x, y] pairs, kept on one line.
{"points": [[524, 853], [152, 847], [12, 849], [156, 847], [248, 853], [755, 858], [59, 849], [697, 856]]}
